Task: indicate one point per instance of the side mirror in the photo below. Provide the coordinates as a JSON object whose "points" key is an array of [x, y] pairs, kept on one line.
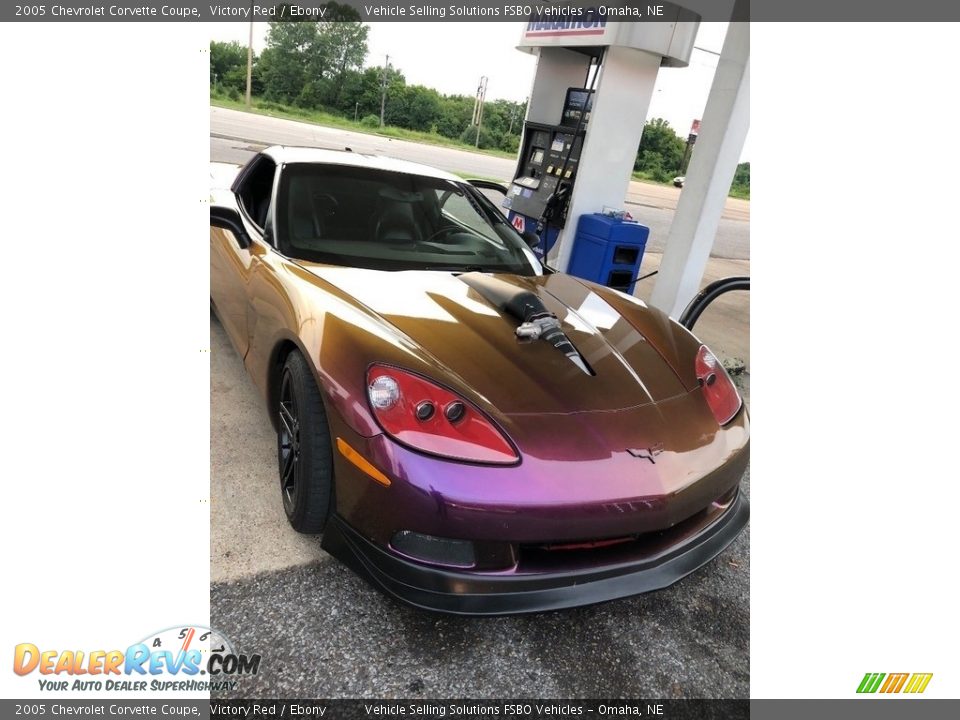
{"points": [[531, 238], [489, 185], [227, 218]]}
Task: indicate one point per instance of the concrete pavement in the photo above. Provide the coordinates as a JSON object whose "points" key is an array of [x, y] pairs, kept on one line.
{"points": [[725, 324], [249, 533]]}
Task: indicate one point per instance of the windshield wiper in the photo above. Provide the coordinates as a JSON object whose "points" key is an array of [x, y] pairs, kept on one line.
{"points": [[457, 268]]}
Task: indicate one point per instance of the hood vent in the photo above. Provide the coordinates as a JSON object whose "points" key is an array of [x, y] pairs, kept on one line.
{"points": [[536, 322]]}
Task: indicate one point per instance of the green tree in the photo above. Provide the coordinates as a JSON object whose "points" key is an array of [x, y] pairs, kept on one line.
{"points": [[342, 44], [487, 138], [415, 107], [741, 180], [309, 63], [226, 59], [661, 149], [456, 112], [742, 177], [286, 59], [362, 89]]}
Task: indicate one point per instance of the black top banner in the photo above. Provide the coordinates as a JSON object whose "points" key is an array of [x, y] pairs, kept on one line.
{"points": [[563, 13]]}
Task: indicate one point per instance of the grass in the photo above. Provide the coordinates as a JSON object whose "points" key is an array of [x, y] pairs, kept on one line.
{"points": [[736, 191], [650, 179], [475, 176], [318, 117]]}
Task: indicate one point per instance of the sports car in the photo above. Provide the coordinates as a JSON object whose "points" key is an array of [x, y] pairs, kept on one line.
{"points": [[471, 431]]}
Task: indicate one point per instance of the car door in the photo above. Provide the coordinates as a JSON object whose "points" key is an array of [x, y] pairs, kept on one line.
{"points": [[233, 261]]}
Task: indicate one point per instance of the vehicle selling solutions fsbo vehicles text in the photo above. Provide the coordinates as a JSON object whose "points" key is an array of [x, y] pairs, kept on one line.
{"points": [[414, 11]]}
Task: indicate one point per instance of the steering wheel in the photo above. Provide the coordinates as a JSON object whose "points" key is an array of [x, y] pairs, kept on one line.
{"points": [[322, 206], [332, 203]]}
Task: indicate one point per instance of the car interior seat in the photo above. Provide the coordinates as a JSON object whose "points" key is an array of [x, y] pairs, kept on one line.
{"points": [[396, 224]]}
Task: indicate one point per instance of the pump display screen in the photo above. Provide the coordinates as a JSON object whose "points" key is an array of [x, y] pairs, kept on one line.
{"points": [[561, 142], [579, 103], [549, 160]]}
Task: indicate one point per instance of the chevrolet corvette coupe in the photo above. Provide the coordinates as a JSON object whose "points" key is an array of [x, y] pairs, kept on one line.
{"points": [[471, 431]]}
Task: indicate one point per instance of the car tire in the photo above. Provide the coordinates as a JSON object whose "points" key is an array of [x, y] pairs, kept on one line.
{"points": [[304, 452]]}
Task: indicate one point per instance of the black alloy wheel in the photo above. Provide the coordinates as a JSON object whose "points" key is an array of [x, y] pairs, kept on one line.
{"points": [[304, 454], [289, 443]]}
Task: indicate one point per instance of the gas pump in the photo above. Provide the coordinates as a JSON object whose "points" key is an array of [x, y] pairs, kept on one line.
{"points": [[589, 100], [539, 196]]}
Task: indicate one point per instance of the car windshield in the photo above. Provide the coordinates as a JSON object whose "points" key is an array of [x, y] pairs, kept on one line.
{"points": [[362, 217]]}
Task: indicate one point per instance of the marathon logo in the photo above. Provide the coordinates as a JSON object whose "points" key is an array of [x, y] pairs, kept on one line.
{"points": [[564, 22]]}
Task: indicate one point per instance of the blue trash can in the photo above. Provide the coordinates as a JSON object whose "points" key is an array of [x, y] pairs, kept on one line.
{"points": [[608, 251]]}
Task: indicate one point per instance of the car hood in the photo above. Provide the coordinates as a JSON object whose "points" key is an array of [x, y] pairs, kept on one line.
{"points": [[470, 343]]}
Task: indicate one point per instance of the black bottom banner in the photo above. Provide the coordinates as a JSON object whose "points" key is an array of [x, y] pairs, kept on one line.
{"points": [[546, 709], [852, 709]]}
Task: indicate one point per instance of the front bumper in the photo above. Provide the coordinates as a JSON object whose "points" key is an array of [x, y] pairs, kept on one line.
{"points": [[661, 562]]}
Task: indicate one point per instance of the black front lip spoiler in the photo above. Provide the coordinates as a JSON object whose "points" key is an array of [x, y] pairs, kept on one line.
{"points": [[464, 593]]}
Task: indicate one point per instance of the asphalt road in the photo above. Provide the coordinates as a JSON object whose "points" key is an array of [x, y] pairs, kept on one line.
{"points": [[323, 632], [235, 136]]}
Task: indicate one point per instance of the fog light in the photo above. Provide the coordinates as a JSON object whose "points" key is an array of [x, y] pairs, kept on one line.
{"points": [[435, 550]]}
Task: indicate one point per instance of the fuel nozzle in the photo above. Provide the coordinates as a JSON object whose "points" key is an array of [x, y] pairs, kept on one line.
{"points": [[540, 323], [536, 322]]}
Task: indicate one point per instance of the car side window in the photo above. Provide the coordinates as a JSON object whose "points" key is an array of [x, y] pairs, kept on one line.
{"points": [[256, 188], [458, 208]]}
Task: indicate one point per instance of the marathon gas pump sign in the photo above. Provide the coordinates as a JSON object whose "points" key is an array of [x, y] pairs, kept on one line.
{"points": [[565, 23], [548, 238]]}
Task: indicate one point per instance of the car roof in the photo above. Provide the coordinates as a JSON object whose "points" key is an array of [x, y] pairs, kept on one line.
{"points": [[288, 154]]}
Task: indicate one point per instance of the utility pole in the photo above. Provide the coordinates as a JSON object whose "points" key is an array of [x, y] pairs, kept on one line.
{"points": [[691, 139], [478, 106], [513, 116], [250, 57], [383, 93]]}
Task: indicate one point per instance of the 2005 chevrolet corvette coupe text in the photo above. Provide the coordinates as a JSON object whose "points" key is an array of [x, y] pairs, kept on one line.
{"points": [[472, 432]]}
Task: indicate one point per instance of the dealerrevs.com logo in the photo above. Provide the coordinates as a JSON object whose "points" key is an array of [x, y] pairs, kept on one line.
{"points": [[910, 683], [181, 658]]}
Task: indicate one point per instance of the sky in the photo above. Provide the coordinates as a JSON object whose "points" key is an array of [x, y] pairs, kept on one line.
{"points": [[451, 57]]}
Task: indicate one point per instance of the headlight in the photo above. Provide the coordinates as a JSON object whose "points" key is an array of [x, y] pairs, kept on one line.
{"points": [[428, 417]]}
